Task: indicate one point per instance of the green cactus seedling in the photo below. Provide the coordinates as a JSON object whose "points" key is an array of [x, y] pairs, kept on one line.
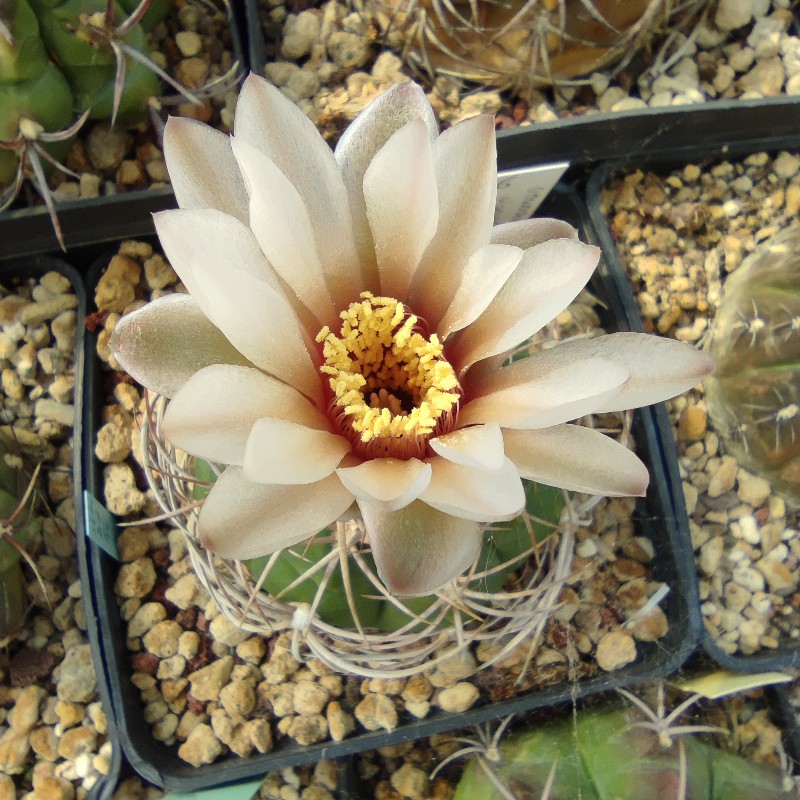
{"points": [[754, 395]]}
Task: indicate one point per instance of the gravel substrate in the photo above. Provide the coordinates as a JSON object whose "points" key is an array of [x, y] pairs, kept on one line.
{"points": [[680, 234], [332, 60], [211, 689], [52, 726]]}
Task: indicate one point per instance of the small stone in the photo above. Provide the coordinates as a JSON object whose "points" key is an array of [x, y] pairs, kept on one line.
{"points": [[113, 443], [120, 491], [260, 734], [132, 543], [309, 698], [348, 50], [724, 477], [649, 627], [614, 650], [49, 410], [458, 698], [786, 165], [751, 579], [340, 723], [77, 741], [208, 681], [136, 579], [765, 78], [300, 33], [75, 676], [189, 43], [106, 146], [377, 711], [162, 638], [237, 698], [410, 781], [752, 489], [116, 288], [25, 713], [227, 632], [130, 173], [781, 579], [692, 425], [201, 746], [14, 749], [44, 743], [711, 555], [733, 14], [187, 592], [158, 273], [308, 730]]}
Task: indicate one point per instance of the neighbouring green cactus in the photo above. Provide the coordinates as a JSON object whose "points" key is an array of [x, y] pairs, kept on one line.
{"points": [[62, 61], [22, 532], [754, 395], [606, 753]]}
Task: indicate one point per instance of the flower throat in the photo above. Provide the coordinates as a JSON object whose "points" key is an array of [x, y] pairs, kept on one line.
{"points": [[392, 389]]}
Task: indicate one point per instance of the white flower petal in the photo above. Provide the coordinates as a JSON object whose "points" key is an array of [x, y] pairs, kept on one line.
{"points": [[165, 342], [554, 394], [547, 280], [361, 140], [205, 240], [261, 324], [212, 414], [466, 173], [578, 459], [418, 549], [241, 519], [280, 222], [202, 169], [486, 272], [478, 494], [387, 482], [279, 451], [479, 446], [272, 123], [528, 233], [402, 205], [659, 368]]}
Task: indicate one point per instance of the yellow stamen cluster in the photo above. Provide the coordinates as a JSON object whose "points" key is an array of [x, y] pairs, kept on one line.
{"points": [[389, 382]]}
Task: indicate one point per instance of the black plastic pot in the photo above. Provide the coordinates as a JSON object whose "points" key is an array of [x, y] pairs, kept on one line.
{"points": [[654, 518], [28, 231], [787, 655], [35, 267]]}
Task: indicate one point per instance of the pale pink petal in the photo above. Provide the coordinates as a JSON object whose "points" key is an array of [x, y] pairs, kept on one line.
{"points": [[360, 141], [402, 205], [212, 414], [479, 446], [555, 394], [547, 280], [280, 222], [205, 240], [530, 232], [387, 482], [478, 494], [466, 173], [279, 451], [576, 458], [202, 169], [659, 368], [419, 549], [241, 519], [261, 324], [163, 343], [486, 272], [272, 123]]}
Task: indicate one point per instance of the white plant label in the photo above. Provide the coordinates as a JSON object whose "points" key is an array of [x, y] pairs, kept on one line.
{"points": [[521, 191]]}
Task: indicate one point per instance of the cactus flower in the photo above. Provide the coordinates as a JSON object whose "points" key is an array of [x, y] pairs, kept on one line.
{"points": [[343, 338]]}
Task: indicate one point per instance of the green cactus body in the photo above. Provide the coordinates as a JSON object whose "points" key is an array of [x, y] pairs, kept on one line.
{"points": [[24, 57], [90, 68], [754, 395], [503, 544], [600, 755], [156, 12], [46, 100]]}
